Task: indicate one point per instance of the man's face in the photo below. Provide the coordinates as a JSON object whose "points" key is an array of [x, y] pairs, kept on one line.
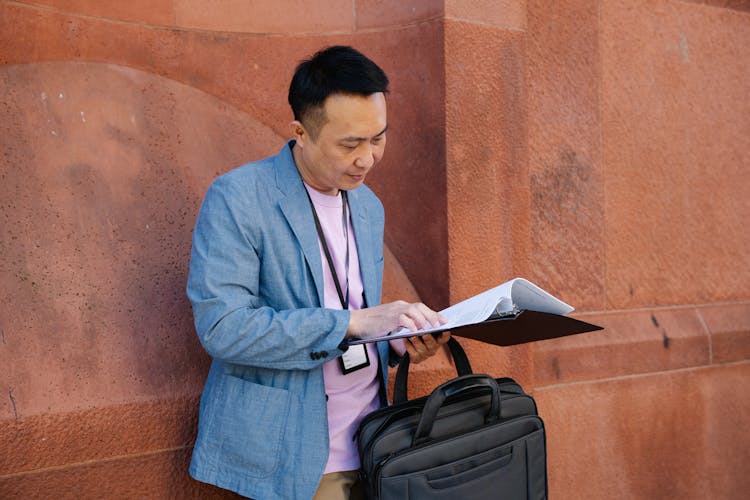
{"points": [[350, 142]]}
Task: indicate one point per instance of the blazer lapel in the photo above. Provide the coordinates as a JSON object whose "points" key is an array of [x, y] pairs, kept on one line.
{"points": [[365, 247], [296, 208]]}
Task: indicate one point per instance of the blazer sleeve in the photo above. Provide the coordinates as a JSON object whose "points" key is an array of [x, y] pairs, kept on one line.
{"points": [[232, 321]]}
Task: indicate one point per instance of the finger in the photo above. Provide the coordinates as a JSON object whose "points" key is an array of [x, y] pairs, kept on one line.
{"points": [[417, 343], [410, 347], [430, 342], [414, 355], [416, 313], [420, 315], [444, 337], [407, 322], [432, 347], [435, 319], [421, 348]]}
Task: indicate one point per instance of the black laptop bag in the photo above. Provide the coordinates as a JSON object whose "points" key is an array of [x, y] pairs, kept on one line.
{"points": [[474, 437]]}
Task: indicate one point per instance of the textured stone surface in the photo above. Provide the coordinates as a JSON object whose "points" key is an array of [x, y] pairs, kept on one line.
{"points": [[157, 12], [487, 211], [631, 343], [103, 171], [675, 117], [506, 14], [139, 450], [54, 440], [566, 181], [158, 474], [396, 284], [371, 14], [679, 434], [742, 5], [729, 326], [265, 16]]}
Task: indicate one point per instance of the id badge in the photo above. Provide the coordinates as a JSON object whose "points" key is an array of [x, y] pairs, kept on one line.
{"points": [[355, 358]]}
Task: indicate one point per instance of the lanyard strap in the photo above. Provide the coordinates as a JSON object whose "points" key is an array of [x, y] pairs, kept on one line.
{"points": [[345, 222]]}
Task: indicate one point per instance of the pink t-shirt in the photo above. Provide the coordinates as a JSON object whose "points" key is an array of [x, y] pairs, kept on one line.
{"points": [[352, 396]]}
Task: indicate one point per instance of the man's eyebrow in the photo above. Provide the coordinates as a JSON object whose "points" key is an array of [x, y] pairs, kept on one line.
{"points": [[357, 139]]}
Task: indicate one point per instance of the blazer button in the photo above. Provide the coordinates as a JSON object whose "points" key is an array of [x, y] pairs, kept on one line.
{"points": [[314, 355], [324, 354]]}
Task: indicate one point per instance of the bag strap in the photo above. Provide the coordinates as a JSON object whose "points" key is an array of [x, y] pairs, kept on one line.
{"points": [[463, 367]]}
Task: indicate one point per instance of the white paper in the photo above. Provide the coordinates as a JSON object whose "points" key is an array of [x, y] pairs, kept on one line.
{"points": [[516, 293]]}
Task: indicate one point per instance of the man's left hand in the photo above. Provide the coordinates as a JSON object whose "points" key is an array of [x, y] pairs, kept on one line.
{"points": [[422, 347]]}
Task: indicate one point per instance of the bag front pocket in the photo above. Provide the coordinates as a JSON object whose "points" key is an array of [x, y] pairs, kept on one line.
{"points": [[466, 471]]}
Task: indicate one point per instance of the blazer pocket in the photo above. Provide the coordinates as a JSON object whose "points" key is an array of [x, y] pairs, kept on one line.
{"points": [[248, 425]]}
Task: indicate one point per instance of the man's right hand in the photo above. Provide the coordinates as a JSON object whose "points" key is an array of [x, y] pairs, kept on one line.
{"points": [[379, 320]]}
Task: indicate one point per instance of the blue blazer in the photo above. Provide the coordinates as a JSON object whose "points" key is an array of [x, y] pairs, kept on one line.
{"points": [[256, 286]]}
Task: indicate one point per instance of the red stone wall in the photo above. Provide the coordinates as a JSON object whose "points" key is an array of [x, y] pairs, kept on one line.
{"points": [[599, 148]]}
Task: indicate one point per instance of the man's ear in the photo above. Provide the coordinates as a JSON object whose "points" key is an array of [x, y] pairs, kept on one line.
{"points": [[298, 132]]}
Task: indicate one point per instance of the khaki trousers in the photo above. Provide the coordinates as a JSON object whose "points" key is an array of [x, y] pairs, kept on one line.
{"points": [[343, 485]]}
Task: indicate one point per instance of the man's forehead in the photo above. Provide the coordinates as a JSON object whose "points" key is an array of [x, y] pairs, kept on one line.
{"points": [[355, 115]]}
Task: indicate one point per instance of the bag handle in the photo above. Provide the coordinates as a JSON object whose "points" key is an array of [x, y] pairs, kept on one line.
{"points": [[450, 388], [453, 387], [463, 367]]}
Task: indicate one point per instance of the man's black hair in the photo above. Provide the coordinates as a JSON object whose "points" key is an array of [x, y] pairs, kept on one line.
{"points": [[336, 69]]}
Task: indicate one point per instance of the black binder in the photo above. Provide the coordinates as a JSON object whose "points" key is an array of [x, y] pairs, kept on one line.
{"points": [[525, 326], [509, 329]]}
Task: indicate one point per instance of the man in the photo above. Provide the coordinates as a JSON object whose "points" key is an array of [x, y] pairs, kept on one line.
{"points": [[287, 265]]}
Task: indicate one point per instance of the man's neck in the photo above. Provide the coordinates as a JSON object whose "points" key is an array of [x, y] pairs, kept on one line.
{"points": [[306, 177]]}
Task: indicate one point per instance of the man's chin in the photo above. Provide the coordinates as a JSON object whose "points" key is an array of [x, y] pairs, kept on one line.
{"points": [[353, 182]]}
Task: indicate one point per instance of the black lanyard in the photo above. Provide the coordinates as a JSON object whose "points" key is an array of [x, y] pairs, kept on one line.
{"points": [[345, 221]]}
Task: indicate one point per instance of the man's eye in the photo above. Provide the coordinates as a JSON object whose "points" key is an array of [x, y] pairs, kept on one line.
{"points": [[349, 146]]}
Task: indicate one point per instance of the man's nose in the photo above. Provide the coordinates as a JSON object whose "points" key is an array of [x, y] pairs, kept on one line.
{"points": [[366, 158]]}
